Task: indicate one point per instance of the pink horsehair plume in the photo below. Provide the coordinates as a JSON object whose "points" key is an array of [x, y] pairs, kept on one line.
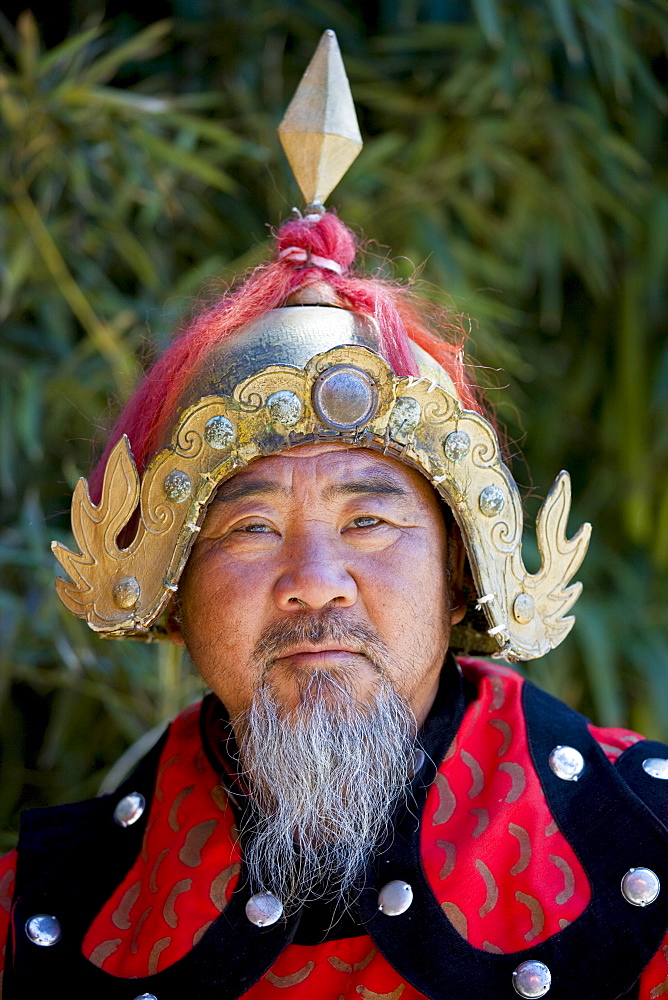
{"points": [[308, 250]]}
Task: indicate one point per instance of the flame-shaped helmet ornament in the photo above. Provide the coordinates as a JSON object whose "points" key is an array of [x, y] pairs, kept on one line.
{"points": [[318, 369]]}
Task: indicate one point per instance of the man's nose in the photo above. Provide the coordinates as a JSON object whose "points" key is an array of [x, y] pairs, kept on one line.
{"points": [[314, 576]]}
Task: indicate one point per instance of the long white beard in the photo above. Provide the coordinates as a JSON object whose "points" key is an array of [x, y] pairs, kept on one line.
{"points": [[323, 778]]}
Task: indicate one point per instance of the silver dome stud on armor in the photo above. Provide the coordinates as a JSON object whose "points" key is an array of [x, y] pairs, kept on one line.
{"points": [[126, 592], [457, 446], [177, 486], [43, 930], [416, 763], [640, 886], [263, 909], [395, 898], [491, 500], [146, 996], [567, 763], [524, 608], [532, 979], [285, 407], [656, 767], [129, 809], [219, 433]]}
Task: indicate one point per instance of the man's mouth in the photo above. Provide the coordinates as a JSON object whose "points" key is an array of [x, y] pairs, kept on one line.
{"points": [[305, 654], [327, 641]]}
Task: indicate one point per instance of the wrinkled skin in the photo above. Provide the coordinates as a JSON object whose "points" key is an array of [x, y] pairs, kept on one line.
{"points": [[320, 530]]}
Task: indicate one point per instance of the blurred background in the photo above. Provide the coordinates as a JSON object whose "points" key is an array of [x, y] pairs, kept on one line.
{"points": [[514, 166]]}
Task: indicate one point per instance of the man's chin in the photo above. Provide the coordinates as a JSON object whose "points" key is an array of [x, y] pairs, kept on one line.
{"points": [[346, 680]]}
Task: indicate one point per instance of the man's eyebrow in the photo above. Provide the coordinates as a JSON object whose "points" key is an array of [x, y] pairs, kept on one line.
{"points": [[241, 489], [375, 485]]}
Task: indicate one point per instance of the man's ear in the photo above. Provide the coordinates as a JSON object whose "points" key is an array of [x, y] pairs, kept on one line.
{"points": [[173, 622], [457, 566]]}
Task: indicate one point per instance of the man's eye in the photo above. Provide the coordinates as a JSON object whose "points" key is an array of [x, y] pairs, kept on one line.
{"points": [[255, 528], [366, 521]]}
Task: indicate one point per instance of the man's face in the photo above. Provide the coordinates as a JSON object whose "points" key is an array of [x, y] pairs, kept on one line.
{"points": [[323, 558]]}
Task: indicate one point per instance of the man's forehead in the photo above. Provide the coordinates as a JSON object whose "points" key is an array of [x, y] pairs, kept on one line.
{"points": [[336, 467]]}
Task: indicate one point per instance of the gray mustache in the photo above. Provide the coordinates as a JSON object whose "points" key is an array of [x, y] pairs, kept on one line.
{"points": [[329, 625]]}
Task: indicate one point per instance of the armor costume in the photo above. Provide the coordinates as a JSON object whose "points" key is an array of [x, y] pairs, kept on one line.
{"points": [[528, 854], [511, 863]]}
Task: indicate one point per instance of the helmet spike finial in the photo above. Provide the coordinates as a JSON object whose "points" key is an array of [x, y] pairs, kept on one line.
{"points": [[319, 131]]}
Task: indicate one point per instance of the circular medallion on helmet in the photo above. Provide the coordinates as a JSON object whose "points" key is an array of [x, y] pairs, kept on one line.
{"points": [[344, 397], [125, 592], [177, 486], [405, 416], [491, 501], [285, 408], [219, 432], [456, 446]]}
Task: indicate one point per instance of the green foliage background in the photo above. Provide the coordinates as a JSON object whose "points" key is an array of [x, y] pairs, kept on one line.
{"points": [[517, 148]]}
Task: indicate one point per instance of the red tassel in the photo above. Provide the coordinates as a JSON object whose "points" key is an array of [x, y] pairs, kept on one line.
{"points": [[149, 413]]}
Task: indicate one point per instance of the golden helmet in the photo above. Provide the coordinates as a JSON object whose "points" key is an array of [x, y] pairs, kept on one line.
{"points": [[305, 351]]}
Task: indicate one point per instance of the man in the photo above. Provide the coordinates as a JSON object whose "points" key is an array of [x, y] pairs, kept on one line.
{"points": [[317, 507]]}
